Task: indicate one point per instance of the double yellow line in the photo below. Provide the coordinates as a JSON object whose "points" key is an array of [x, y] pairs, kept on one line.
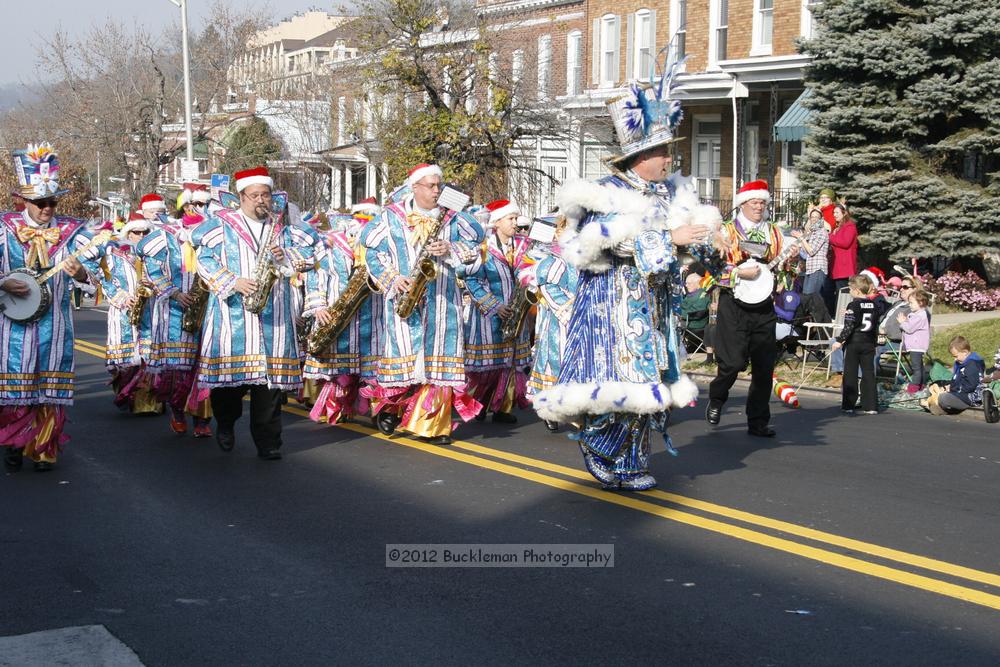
{"points": [[652, 502]]}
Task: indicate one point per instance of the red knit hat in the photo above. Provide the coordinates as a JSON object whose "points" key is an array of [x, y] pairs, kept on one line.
{"points": [[255, 176], [501, 208], [423, 171], [152, 202], [752, 190]]}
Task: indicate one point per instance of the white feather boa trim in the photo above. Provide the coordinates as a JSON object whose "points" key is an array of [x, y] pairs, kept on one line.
{"points": [[634, 211], [569, 402]]}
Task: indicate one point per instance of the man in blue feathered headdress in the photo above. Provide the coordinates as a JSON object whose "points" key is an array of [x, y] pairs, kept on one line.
{"points": [[620, 374]]}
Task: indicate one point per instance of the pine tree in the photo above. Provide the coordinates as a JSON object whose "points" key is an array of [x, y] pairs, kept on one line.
{"points": [[905, 122], [252, 145]]}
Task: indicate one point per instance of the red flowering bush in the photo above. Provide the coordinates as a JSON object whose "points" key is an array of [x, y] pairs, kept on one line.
{"points": [[963, 290]]}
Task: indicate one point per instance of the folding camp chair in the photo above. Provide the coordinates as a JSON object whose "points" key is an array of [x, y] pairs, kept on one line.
{"points": [[819, 338]]}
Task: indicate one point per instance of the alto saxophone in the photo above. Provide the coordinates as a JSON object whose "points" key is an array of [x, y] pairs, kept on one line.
{"points": [[355, 293], [424, 270], [523, 299], [264, 274], [194, 314], [142, 294]]}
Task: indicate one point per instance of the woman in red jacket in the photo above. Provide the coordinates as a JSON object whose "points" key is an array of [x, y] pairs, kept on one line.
{"points": [[843, 248]]}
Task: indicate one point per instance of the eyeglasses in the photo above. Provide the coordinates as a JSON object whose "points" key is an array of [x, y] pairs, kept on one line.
{"points": [[263, 196], [433, 186], [906, 286], [140, 233], [46, 203]]}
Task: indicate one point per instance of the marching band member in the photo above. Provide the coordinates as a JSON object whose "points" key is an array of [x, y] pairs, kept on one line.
{"points": [[130, 306], [171, 266], [339, 366], [555, 281], [421, 374], [746, 331], [495, 365], [242, 259], [36, 355], [153, 208], [620, 371]]}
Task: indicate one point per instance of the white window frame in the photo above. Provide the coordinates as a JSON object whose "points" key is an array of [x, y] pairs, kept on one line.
{"points": [[807, 22], [677, 28], [760, 17], [544, 66], [341, 119], [574, 62], [644, 46], [492, 72], [717, 23], [711, 139], [610, 51]]}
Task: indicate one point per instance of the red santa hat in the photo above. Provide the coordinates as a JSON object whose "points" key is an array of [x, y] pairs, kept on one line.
{"points": [[422, 171], [501, 208], [136, 223], [875, 274], [195, 192], [255, 176], [152, 202], [751, 190], [366, 206]]}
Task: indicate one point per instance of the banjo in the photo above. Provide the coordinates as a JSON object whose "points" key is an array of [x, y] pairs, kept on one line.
{"points": [[756, 290], [31, 307]]}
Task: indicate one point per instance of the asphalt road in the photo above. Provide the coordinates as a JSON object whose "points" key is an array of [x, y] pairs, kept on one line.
{"points": [[864, 540]]}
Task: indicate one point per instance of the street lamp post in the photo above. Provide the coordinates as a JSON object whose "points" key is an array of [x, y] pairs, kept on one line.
{"points": [[187, 77]]}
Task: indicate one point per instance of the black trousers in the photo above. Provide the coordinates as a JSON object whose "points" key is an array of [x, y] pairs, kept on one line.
{"points": [[854, 356], [743, 334], [265, 412]]}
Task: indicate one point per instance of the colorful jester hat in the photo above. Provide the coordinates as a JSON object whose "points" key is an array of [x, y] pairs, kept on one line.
{"points": [[645, 117], [37, 169]]}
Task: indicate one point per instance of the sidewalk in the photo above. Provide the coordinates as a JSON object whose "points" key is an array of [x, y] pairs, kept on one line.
{"points": [[945, 320]]}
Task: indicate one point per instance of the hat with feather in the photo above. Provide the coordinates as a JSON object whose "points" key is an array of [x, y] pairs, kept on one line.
{"points": [[646, 117]]}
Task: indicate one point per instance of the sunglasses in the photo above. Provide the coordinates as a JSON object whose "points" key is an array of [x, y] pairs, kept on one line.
{"points": [[140, 233], [46, 203]]}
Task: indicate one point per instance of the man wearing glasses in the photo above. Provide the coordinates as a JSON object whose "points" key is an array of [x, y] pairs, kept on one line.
{"points": [[36, 356], [421, 375], [244, 351], [745, 331], [129, 341], [171, 266]]}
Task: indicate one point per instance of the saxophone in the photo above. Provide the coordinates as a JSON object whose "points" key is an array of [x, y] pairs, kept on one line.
{"points": [[355, 293], [521, 302], [264, 274], [142, 294], [194, 314], [424, 270]]}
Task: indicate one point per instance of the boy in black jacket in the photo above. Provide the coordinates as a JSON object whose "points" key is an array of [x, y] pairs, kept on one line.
{"points": [[859, 338]]}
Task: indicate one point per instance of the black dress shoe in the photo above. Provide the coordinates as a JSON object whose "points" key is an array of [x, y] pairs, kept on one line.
{"points": [[13, 459], [504, 418], [552, 426], [762, 431], [226, 439], [272, 454], [44, 466], [386, 423], [713, 414], [439, 440]]}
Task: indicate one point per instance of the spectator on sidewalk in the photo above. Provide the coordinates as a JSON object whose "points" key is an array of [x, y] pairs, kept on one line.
{"points": [[966, 388], [858, 338], [844, 253], [815, 243], [916, 336]]}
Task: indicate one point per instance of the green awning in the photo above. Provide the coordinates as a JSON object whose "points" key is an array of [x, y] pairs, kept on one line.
{"points": [[794, 123]]}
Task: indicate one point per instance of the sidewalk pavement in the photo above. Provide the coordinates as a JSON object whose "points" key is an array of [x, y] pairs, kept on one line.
{"points": [[945, 320]]}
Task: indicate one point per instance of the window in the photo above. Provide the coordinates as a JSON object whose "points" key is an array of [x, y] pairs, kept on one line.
{"points": [[643, 34], [707, 149], [594, 165], [807, 26], [681, 33], [516, 70], [763, 27], [341, 119], [574, 62], [446, 86], [719, 37], [492, 71], [544, 66], [610, 37]]}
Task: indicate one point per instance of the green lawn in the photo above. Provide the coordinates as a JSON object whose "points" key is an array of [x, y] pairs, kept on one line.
{"points": [[984, 336]]}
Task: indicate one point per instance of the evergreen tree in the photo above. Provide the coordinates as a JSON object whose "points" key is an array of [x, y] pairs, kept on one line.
{"points": [[251, 145], [906, 125]]}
